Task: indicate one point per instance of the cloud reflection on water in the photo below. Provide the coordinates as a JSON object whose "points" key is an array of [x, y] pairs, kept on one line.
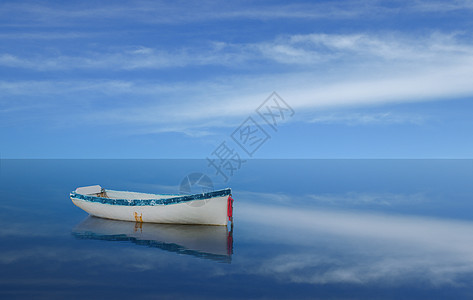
{"points": [[329, 246]]}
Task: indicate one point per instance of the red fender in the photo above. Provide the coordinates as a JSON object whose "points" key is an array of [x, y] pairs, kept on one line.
{"points": [[230, 208]]}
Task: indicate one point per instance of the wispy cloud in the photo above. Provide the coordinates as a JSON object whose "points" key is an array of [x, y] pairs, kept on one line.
{"points": [[357, 118], [308, 96], [128, 59], [211, 103], [298, 50], [312, 71], [160, 12], [390, 47], [43, 35], [440, 6]]}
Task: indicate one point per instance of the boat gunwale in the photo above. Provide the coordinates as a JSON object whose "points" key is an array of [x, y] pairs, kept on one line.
{"points": [[175, 199]]}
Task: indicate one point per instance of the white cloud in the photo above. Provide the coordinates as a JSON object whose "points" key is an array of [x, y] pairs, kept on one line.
{"points": [[309, 95], [208, 104], [308, 50], [49, 35], [390, 46], [127, 59], [357, 118], [440, 6], [9, 60], [314, 72], [181, 12]]}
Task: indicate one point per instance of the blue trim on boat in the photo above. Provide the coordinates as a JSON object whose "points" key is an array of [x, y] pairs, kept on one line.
{"points": [[152, 202]]}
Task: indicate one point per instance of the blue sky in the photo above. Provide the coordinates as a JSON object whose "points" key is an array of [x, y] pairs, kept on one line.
{"points": [[152, 79]]}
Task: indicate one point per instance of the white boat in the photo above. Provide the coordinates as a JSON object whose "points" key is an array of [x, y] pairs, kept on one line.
{"points": [[203, 241], [211, 208]]}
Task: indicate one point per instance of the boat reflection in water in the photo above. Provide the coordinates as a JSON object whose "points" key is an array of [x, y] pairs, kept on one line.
{"points": [[203, 241]]}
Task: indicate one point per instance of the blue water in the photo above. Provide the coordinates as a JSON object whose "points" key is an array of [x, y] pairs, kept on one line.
{"points": [[338, 229]]}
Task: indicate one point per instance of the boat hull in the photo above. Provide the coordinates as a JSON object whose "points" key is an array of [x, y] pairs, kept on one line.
{"points": [[211, 211]]}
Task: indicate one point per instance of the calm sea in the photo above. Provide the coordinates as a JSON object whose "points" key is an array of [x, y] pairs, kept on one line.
{"points": [[316, 229]]}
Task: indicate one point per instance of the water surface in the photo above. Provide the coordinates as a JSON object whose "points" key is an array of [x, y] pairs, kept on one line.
{"points": [[338, 229]]}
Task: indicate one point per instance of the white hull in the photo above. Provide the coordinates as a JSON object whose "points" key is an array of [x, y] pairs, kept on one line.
{"points": [[211, 212], [212, 208]]}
